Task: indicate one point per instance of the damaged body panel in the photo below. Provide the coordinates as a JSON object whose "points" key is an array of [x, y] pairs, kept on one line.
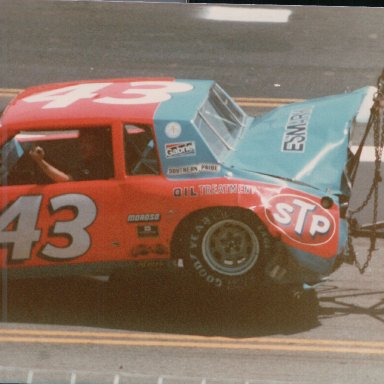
{"points": [[307, 142]]}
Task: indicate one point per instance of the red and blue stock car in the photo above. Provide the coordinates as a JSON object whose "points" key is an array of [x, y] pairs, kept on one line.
{"points": [[195, 182]]}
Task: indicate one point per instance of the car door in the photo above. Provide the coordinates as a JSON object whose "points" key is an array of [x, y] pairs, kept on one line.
{"points": [[48, 227], [150, 219]]}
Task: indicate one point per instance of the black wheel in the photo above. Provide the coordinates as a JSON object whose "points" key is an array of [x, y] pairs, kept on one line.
{"points": [[227, 249]]}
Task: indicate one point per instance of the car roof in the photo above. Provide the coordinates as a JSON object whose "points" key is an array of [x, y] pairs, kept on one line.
{"points": [[100, 102]]}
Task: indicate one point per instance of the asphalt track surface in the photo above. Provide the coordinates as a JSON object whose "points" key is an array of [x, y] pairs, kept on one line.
{"points": [[82, 330]]}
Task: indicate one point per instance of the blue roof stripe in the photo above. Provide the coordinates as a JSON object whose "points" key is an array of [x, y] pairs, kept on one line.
{"points": [[184, 105], [182, 109]]}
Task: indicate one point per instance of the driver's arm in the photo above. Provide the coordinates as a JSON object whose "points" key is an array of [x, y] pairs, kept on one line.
{"points": [[38, 154]]}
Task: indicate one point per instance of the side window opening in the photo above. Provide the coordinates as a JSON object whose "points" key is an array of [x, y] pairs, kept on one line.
{"points": [[83, 156], [140, 151], [14, 166]]}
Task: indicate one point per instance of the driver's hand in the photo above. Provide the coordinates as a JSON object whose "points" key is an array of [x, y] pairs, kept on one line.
{"points": [[37, 153]]}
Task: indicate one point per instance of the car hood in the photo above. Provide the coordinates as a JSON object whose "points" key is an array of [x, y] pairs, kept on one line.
{"points": [[304, 142]]}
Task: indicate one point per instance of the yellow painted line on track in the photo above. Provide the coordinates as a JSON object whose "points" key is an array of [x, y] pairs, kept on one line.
{"points": [[183, 337], [266, 100], [9, 92], [263, 102], [260, 105], [190, 344], [189, 341]]}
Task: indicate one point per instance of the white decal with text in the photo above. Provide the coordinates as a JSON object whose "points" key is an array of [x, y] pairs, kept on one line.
{"points": [[296, 130], [136, 93], [64, 97], [19, 220], [76, 228], [301, 219], [18, 226]]}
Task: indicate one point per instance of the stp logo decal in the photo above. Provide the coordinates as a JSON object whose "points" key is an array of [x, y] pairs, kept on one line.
{"points": [[301, 219]]}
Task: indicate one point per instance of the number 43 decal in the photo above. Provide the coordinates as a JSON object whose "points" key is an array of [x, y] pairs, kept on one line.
{"points": [[137, 93], [18, 226]]}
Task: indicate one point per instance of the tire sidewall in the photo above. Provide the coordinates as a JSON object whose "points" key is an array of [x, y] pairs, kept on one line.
{"points": [[202, 272]]}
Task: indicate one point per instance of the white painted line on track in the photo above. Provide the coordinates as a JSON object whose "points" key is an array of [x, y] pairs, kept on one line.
{"points": [[247, 14], [30, 377], [365, 108], [89, 1], [368, 154], [73, 378], [122, 1]]}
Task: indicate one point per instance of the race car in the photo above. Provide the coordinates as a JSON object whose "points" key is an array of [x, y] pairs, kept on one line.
{"points": [[234, 200]]}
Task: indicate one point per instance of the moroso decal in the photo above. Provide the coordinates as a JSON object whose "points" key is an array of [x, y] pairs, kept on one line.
{"points": [[144, 217], [296, 130], [182, 149], [301, 219]]}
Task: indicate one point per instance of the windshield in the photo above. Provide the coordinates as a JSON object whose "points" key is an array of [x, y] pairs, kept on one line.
{"points": [[220, 121]]}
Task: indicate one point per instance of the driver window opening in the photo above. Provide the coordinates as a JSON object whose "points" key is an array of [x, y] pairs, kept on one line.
{"points": [[140, 151], [78, 155]]}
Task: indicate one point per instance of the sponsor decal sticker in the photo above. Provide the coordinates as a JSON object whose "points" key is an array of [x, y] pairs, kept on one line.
{"points": [[173, 130], [147, 231], [136, 93], [19, 230], [215, 189], [182, 149], [296, 130], [301, 219], [143, 250], [193, 169], [144, 217]]}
